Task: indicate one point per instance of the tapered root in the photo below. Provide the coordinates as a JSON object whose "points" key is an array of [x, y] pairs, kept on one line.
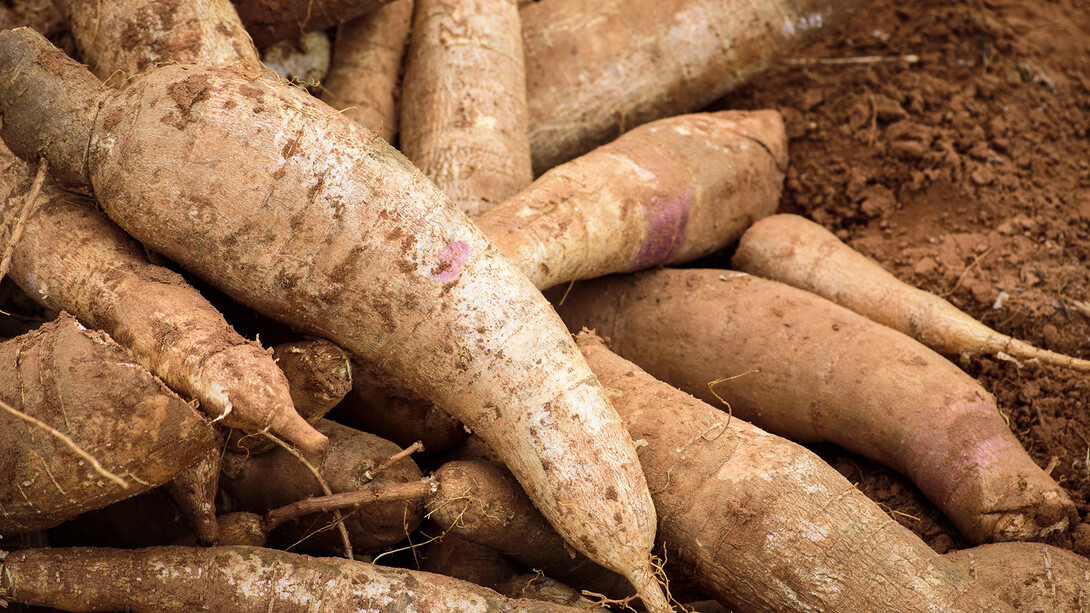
{"points": [[1021, 350], [649, 589]]}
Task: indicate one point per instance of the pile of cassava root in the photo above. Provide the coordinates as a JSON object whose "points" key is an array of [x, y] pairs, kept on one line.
{"points": [[286, 366]]}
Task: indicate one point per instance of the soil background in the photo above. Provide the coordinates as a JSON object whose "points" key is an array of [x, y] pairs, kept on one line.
{"points": [[964, 170]]}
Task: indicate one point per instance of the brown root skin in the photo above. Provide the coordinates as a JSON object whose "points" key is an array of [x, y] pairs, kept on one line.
{"points": [[234, 580], [276, 479], [764, 525], [361, 249], [269, 21], [794, 250], [54, 102], [318, 374], [364, 72], [121, 39], [462, 559], [811, 370], [194, 491], [596, 68], [540, 587], [1029, 576], [377, 404], [481, 502], [664, 193], [109, 284], [463, 103], [87, 387]]}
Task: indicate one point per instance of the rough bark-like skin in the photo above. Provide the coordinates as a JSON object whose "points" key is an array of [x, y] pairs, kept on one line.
{"points": [[538, 587], [462, 559], [1031, 577], [48, 107], [72, 258], [664, 193], [119, 39], [269, 21], [319, 375], [764, 525], [365, 70], [235, 580], [309, 218], [481, 502], [377, 404], [241, 528], [38, 14], [86, 386], [271, 480], [595, 68], [827, 374], [194, 491], [463, 104], [794, 250]]}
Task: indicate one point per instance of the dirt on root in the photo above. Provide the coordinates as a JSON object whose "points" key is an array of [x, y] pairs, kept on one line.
{"points": [[963, 168]]}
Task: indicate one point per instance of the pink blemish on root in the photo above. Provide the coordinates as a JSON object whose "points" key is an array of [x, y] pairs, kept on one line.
{"points": [[668, 218], [451, 261]]}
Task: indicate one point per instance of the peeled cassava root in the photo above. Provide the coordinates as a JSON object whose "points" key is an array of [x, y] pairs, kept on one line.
{"points": [[72, 258], [595, 68], [463, 102], [303, 215], [810, 370], [86, 387], [234, 580], [762, 524], [799, 252], [664, 193]]}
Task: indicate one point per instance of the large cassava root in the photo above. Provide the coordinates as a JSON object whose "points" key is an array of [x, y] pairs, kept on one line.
{"points": [[463, 103], [85, 386], [364, 71], [799, 252], [763, 524], [120, 39], [595, 68], [72, 258], [303, 215], [234, 580], [664, 193], [814, 371]]}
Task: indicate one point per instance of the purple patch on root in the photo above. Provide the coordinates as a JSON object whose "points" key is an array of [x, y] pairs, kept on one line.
{"points": [[451, 261], [668, 218]]}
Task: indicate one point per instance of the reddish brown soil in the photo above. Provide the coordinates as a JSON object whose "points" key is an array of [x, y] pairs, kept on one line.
{"points": [[966, 173]]}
